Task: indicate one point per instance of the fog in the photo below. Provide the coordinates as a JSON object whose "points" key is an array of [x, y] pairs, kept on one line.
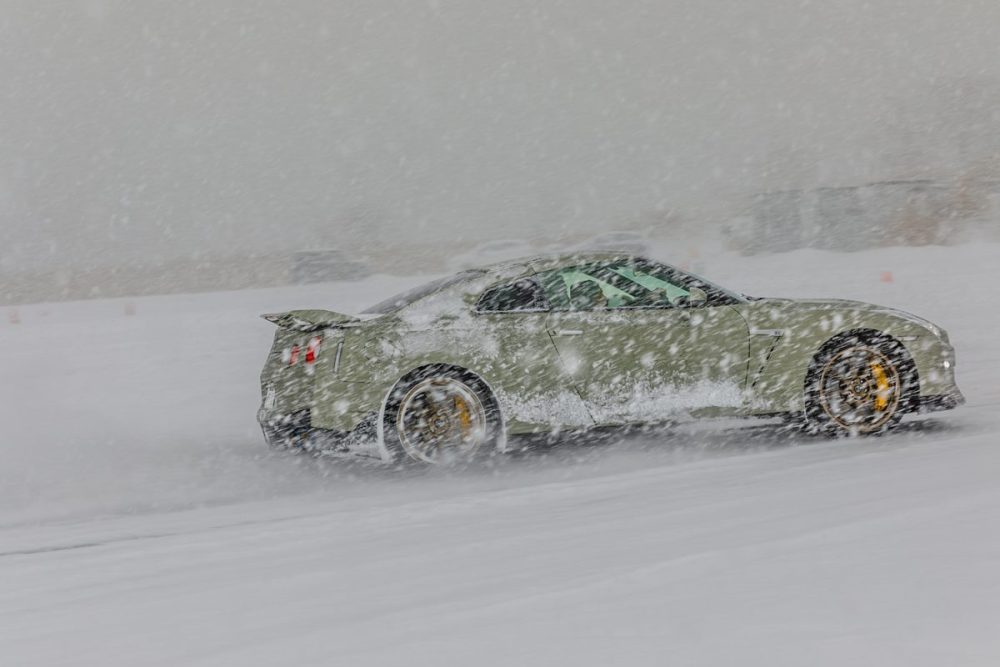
{"points": [[183, 482], [151, 131]]}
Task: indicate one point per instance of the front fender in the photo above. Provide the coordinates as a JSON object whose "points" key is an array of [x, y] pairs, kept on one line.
{"points": [[779, 384]]}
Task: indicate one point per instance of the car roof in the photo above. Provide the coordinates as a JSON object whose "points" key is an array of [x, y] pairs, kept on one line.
{"points": [[544, 262], [509, 270]]}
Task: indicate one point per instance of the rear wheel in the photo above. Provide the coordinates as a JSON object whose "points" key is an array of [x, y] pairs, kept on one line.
{"points": [[858, 385], [440, 415]]}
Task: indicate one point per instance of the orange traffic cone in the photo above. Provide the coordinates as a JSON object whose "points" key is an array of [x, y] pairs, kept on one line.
{"points": [[886, 277]]}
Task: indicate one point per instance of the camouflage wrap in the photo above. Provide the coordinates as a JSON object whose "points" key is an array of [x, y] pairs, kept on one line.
{"points": [[562, 368]]}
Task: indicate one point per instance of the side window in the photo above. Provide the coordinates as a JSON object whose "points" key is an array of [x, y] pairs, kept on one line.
{"points": [[650, 290], [612, 285], [629, 284], [582, 288], [523, 295]]}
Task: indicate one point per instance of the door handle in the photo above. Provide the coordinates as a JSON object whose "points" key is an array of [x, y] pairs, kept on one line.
{"points": [[567, 332]]}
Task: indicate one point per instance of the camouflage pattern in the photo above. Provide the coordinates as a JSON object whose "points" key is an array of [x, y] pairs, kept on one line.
{"points": [[553, 368]]}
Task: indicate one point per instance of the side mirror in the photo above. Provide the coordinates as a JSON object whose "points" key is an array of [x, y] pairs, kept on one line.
{"points": [[696, 298]]}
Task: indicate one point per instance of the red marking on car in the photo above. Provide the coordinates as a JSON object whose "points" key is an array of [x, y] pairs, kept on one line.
{"points": [[293, 356], [312, 350]]}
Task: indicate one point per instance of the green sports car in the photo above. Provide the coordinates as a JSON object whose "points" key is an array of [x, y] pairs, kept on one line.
{"points": [[446, 371]]}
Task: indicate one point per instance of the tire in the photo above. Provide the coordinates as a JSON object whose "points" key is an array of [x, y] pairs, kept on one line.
{"points": [[859, 384], [440, 415]]}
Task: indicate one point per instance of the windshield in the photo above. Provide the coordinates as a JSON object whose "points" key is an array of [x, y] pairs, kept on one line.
{"points": [[710, 287], [403, 299]]}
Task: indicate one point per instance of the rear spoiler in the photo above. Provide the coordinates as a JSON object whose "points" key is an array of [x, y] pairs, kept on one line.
{"points": [[311, 320]]}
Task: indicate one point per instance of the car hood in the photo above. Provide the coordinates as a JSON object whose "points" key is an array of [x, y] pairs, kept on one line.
{"points": [[842, 306]]}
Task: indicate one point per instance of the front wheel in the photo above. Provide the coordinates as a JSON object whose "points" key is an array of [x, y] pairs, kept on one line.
{"points": [[440, 415], [858, 386]]}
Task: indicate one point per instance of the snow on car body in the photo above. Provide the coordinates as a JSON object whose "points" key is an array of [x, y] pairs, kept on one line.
{"points": [[450, 368]]}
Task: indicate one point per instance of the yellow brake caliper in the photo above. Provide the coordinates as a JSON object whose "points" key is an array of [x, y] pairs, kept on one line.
{"points": [[882, 389], [464, 417]]}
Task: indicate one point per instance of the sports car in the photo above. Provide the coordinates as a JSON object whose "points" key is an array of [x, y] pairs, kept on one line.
{"points": [[447, 371]]}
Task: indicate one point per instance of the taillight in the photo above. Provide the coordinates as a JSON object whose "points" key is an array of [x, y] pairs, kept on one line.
{"points": [[291, 355], [312, 350]]}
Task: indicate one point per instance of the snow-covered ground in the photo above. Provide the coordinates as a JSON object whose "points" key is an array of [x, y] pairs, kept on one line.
{"points": [[142, 522]]}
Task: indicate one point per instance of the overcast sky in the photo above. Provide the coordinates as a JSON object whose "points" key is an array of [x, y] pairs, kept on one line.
{"points": [[133, 128]]}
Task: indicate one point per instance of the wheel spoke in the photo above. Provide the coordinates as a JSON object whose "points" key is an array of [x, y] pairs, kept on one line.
{"points": [[859, 389], [440, 415]]}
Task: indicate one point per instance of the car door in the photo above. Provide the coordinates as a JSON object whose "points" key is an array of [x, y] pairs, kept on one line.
{"points": [[526, 375], [613, 353], [713, 349], [637, 348]]}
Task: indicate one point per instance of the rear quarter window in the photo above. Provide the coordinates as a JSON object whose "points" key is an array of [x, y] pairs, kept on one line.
{"points": [[522, 295]]}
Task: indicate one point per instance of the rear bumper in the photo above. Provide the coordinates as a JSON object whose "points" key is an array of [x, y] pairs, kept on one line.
{"points": [[277, 420], [295, 431], [939, 402]]}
